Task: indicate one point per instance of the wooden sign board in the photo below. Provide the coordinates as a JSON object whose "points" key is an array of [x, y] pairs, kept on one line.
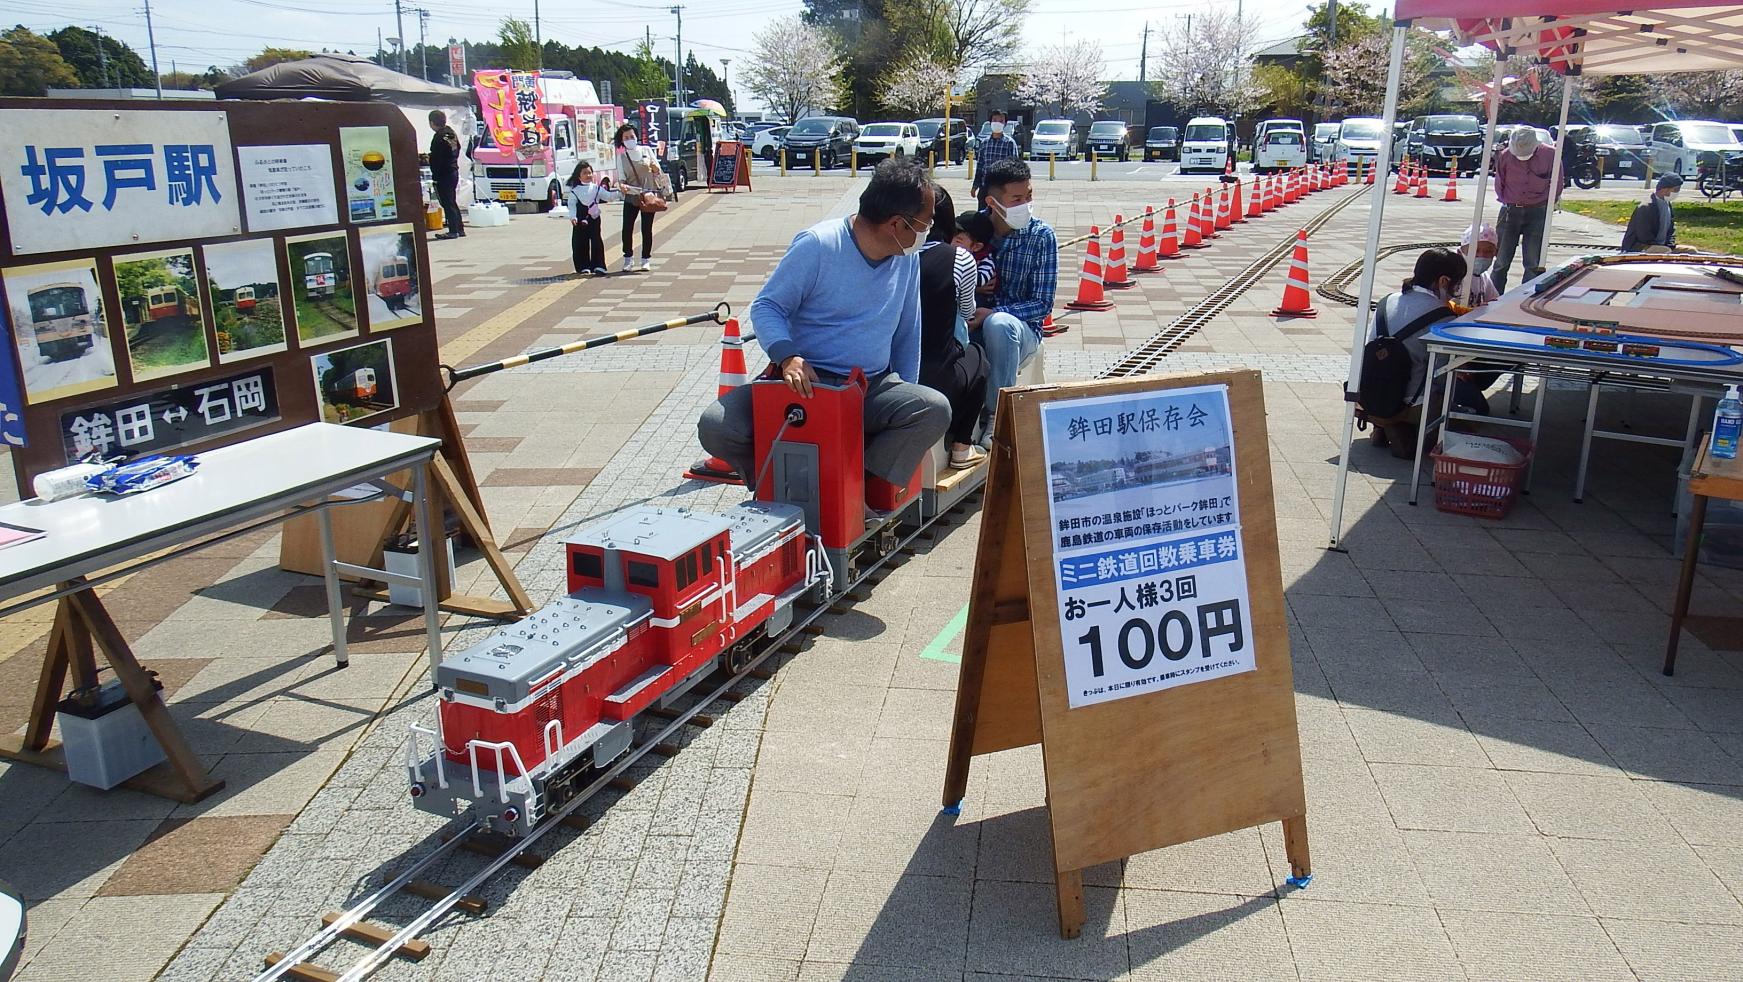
{"points": [[1110, 620], [181, 276], [731, 166]]}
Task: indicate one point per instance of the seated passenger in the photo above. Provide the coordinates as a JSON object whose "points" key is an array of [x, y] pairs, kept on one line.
{"points": [[1027, 255], [845, 296], [1407, 315], [958, 370], [974, 232]]}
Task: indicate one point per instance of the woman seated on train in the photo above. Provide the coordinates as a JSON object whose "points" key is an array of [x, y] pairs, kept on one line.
{"points": [[956, 369]]}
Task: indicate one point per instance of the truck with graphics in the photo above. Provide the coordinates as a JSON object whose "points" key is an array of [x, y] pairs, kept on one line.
{"points": [[533, 128]]}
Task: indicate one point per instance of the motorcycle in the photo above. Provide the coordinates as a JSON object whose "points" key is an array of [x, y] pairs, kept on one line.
{"points": [[1585, 171], [1721, 175]]}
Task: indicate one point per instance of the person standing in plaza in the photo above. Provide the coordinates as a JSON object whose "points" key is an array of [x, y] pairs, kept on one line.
{"points": [[1522, 176], [996, 147], [586, 238], [846, 296], [445, 171], [1652, 227], [638, 174], [1027, 255]]}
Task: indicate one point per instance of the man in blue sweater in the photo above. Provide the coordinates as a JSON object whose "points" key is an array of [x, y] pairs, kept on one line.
{"points": [[847, 295]]}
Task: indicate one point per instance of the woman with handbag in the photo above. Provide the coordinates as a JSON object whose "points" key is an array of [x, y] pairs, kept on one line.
{"points": [[643, 183]]}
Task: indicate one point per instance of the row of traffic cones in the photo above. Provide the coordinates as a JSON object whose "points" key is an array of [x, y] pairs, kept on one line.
{"points": [[1413, 179]]}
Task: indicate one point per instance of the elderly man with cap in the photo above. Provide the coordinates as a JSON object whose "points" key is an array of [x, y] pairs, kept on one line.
{"points": [[1522, 174], [1652, 227]]}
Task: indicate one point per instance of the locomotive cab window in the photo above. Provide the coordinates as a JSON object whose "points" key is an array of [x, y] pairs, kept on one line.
{"points": [[642, 574], [589, 565], [707, 552]]}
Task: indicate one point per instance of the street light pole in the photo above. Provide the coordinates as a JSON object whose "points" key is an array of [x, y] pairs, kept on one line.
{"points": [[726, 80], [678, 58], [399, 21]]}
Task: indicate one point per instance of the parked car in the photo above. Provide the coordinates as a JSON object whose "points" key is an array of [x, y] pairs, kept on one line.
{"points": [[1162, 143], [1267, 125], [1737, 131], [1206, 145], [1358, 140], [1622, 151], [1325, 135], [878, 140], [825, 139], [1054, 138], [1109, 139], [932, 139], [1681, 146], [1279, 149], [1446, 141], [767, 143]]}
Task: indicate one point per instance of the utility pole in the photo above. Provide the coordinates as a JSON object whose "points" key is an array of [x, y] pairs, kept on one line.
{"points": [[1144, 53], [1331, 21], [538, 35], [678, 56], [399, 19], [102, 59], [423, 48], [151, 39]]}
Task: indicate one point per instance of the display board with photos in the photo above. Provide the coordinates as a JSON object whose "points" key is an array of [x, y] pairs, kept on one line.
{"points": [[189, 275]]}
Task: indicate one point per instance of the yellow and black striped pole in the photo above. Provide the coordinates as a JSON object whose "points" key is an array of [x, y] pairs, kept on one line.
{"points": [[455, 376]]}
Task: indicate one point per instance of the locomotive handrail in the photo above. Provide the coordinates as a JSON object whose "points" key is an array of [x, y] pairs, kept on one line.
{"points": [[502, 776], [454, 376], [411, 755], [551, 749]]}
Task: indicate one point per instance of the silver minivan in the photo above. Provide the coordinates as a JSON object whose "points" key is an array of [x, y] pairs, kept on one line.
{"points": [[1680, 146]]}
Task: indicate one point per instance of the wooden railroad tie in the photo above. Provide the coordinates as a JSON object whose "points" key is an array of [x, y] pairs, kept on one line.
{"points": [[378, 935], [579, 823], [621, 784], [471, 904], [494, 849], [667, 749], [303, 973], [700, 720]]}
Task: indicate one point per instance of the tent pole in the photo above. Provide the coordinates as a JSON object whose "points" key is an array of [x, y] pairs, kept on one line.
{"points": [[1555, 174], [1365, 295], [1482, 195]]}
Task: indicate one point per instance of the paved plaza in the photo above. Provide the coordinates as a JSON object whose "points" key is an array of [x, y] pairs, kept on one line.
{"points": [[1501, 785]]}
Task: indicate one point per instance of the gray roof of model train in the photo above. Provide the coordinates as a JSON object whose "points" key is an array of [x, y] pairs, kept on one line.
{"points": [[667, 533], [524, 652]]}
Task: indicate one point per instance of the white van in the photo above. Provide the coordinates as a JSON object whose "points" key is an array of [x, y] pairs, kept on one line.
{"points": [[1279, 149], [1359, 140], [1679, 146], [1324, 135], [1054, 138], [1205, 146]]}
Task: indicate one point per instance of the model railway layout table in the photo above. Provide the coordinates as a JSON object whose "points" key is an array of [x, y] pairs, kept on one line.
{"points": [[1711, 477], [92, 539]]}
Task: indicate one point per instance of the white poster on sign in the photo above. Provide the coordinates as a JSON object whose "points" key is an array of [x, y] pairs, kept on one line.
{"points": [[1146, 528], [288, 187], [87, 178]]}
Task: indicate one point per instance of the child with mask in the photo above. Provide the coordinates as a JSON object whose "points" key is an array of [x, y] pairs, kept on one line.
{"points": [[1482, 288]]}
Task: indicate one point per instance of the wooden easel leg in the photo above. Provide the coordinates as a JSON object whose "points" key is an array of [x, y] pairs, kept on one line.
{"points": [[66, 634], [447, 427], [143, 692], [1295, 847], [472, 520], [1068, 886]]}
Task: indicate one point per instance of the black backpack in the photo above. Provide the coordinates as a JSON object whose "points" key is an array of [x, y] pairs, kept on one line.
{"points": [[1385, 389]]}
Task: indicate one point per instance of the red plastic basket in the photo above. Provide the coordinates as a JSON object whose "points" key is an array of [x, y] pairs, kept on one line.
{"points": [[1470, 487]]}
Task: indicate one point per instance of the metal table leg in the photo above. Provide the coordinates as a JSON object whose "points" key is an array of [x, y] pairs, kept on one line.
{"points": [[1422, 425], [1537, 404], [1518, 390], [335, 608], [1586, 440], [1686, 582], [429, 533]]}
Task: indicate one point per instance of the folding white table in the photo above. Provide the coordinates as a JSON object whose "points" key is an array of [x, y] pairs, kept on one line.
{"points": [[238, 489]]}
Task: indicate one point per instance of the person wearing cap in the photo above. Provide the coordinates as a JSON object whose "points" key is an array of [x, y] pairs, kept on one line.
{"points": [[1482, 289], [1652, 227], [1522, 175]]}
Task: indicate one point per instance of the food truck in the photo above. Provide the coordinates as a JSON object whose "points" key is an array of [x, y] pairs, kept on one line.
{"points": [[533, 128]]}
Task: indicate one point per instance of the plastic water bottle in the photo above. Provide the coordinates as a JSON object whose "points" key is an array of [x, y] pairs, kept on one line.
{"points": [[1727, 424]]}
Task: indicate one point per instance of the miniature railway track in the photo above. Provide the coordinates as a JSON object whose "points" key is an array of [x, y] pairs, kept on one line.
{"points": [[1148, 356], [1336, 287], [385, 942]]}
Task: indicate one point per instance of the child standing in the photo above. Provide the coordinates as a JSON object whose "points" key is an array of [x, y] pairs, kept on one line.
{"points": [[586, 243]]}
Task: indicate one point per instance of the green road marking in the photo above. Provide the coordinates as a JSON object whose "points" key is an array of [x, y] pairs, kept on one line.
{"points": [[935, 648]]}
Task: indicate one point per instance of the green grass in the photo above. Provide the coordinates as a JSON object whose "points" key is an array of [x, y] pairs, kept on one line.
{"points": [[1708, 226]]}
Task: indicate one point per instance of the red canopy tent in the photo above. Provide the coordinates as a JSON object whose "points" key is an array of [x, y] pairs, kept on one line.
{"points": [[1574, 37]]}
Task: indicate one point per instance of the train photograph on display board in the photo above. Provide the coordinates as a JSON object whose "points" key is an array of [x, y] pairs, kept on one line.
{"points": [[320, 273], [242, 282], [160, 306], [59, 329], [390, 277], [353, 384]]}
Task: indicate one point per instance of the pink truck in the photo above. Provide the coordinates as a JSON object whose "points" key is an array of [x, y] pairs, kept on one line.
{"points": [[534, 127]]}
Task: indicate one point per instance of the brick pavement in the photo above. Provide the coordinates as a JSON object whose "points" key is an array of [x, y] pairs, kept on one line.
{"points": [[842, 868]]}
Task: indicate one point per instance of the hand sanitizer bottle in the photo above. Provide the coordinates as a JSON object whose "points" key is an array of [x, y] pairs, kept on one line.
{"points": [[1727, 422]]}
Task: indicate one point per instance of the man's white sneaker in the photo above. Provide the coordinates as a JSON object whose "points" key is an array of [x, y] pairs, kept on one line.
{"points": [[647, 265]]}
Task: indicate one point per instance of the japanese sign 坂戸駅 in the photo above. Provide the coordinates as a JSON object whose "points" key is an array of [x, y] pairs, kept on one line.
{"points": [[288, 186], [83, 179], [1146, 530]]}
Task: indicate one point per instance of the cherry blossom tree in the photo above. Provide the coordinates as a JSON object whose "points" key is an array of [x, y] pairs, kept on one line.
{"points": [[1207, 62], [794, 68], [1067, 76]]}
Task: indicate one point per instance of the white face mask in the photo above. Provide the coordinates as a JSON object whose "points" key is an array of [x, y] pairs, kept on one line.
{"points": [[911, 250], [1016, 216], [1671, 196], [998, 128], [1482, 265], [629, 143]]}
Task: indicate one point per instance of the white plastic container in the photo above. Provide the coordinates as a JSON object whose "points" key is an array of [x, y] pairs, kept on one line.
{"points": [[406, 561], [107, 743], [487, 214]]}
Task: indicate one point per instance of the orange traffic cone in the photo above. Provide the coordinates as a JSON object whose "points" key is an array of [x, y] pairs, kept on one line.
{"points": [[1403, 184], [1224, 212], [1256, 201], [732, 375], [1116, 271], [1049, 329], [1207, 215], [1193, 237], [1147, 245], [1237, 210], [1421, 183], [1315, 178], [1089, 284], [1169, 248], [1296, 302], [1452, 184], [1229, 169]]}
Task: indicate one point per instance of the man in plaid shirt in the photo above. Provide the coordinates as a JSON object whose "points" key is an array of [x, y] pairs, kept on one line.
{"points": [[996, 147], [1027, 254]]}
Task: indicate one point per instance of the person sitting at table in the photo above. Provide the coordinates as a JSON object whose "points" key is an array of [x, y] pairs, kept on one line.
{"points": [[958, 370], [1423, 301]]}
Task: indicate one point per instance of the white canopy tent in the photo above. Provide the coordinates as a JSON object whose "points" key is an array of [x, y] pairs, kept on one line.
{"points": [[1574, 37]]}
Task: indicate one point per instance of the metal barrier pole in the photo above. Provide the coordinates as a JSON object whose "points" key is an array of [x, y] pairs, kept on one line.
{"points": [[1052, 162], [970, 159], [931, 164], [454, 376], [853, 159], [1094, 158], [783, 161]]}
